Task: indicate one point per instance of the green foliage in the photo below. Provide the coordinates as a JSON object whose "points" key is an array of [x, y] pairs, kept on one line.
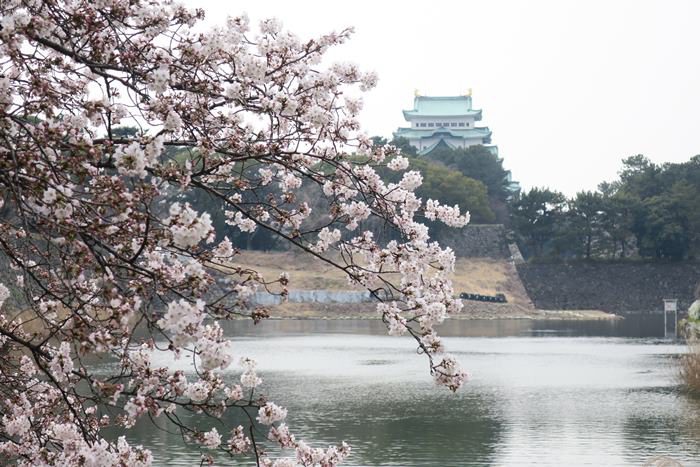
{"points": [[451, 187], [379, 141], [650, 212], [125, 131], [616, 222], [405, 147], [585, 220], [536, 217], [477, 162], [666, 219]]}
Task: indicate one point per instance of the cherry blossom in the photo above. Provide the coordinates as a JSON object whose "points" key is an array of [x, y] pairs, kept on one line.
{"points": [[211, 439], [117, 114], [398, 163]]}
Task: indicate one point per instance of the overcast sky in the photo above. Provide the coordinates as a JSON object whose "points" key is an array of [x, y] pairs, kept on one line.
{"points": [[568, 88]]}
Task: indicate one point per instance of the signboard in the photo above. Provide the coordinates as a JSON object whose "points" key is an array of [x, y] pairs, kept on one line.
{"points": [[670, 305]]}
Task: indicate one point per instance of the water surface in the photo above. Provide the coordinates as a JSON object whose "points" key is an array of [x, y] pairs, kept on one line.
{"points": [[540, 393]]}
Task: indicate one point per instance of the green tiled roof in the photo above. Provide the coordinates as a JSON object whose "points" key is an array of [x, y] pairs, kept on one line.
{"points": [[448, 106], [433, 146]]}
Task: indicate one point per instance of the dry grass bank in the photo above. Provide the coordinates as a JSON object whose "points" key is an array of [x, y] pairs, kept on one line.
{"points": [[689, 367], [474, 275]]}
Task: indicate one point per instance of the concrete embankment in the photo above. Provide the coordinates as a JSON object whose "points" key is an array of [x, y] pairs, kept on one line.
{"points": [[313, 296]]}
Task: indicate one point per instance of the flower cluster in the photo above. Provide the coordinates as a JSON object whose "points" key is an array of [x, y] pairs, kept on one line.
{"points": [[187, 227], [326, 238], [249, 378], [271, 413], [398, 163], [448, 215]]}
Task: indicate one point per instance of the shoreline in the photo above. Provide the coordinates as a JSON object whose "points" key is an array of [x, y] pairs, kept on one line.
{"points": [[472, 311]]}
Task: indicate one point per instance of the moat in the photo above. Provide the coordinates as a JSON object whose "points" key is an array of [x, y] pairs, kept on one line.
{"points": [[545, 393]]}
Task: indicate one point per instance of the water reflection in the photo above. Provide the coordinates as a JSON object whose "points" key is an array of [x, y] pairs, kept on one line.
{"points": [[637, 326], [535, 398]]}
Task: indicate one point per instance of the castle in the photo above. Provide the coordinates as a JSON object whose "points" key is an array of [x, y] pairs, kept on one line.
{"points": [[449, 120]]}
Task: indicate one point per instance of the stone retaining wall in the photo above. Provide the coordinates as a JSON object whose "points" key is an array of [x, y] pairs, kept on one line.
{"points": [[614, 287], [479, 241]]}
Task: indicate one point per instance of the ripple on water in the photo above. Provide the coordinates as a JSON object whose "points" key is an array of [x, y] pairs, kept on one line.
{"points": [[377, 362]]}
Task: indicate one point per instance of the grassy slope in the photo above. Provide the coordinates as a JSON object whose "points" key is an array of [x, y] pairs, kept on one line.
{"points": [[474, 275]]}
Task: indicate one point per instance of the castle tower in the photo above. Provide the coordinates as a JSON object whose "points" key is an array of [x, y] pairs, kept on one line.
{"points": [[446, 120]]}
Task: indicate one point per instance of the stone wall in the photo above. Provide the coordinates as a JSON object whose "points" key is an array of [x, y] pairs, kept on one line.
{"points": [[614, 287], [479, 241]]}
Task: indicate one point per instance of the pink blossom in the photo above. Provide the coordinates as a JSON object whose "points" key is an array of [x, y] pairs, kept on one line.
{"points": [[271, 413], [211, 439]]}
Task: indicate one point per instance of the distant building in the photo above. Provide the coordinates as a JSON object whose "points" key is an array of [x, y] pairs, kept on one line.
{"points": [[449, 121], [444, 120]]}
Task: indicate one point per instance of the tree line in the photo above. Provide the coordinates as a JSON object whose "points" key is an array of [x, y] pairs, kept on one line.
{"points": [[650, 211]]}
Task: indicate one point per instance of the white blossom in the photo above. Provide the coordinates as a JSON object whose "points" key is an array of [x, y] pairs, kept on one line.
{"points": [[160, 78], [411, 180], [16, 426], [182, 319], [4, 294], [289, 182], [211, 439], [271, 413], [326, 238], [173, 122], [187, 227], [61, 364], [239, 442], [131, 160], [50, 196], [198, 391], [398, 163], [356, 211]]}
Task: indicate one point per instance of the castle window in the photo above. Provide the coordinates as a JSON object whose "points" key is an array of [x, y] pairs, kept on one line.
{"points": [[461, 123], [445, 124], [431, 124], [453, 124]]}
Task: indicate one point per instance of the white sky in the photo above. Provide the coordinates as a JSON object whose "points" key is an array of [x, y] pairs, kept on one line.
{"points": [[568, 88]]}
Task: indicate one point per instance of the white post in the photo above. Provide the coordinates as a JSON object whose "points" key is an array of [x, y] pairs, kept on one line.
{"points": [[675, 325], [670, 304]]}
